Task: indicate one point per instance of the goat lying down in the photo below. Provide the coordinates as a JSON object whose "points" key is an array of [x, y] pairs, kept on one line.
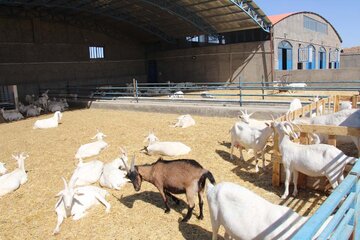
{"points": [[177, 177], [75, 201], [245, 215], [165, 148], [13, 180]]}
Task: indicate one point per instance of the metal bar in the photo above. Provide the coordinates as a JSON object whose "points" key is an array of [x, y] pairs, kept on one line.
{"points": [[316, 221], [253, 14]]}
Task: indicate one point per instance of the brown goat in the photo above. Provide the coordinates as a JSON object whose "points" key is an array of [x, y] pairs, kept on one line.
{"points": [[176, 176]]}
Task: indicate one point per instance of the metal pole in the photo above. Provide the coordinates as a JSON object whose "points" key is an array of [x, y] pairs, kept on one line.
{"points": [[16, 96], [240, 91], [262, 87]]}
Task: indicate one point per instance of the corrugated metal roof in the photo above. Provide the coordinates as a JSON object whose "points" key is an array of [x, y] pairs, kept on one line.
{"points": [[166, 19]]}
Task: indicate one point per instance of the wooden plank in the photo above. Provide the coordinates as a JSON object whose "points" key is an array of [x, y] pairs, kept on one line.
{"points": [[318, 108], [354, 100], [336, 103], [276, 159], [330, 130], [332, 140]]}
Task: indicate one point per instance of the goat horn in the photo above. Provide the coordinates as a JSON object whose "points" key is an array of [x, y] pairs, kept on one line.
{"points": [[126, 166], [65, 183], [242, 112], [122, 150], [132, 167]]}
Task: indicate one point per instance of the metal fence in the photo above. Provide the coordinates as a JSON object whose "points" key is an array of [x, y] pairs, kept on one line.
{"points": [[240, 93], [344, 222]]}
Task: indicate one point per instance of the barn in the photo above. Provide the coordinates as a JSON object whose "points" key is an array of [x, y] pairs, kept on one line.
{"points": [[55, 44]]}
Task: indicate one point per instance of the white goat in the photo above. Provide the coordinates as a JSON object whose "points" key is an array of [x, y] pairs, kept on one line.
{"points": [[313, 160], [33, 111], [11, 115], [112, 177], [345, 105], [29, 98], [250, 135], [43, 100], [316, 99], [178, 94], [23, 109], [295, 85], [61, 105], [246, 215], [87, 173], [206, 95], [75, 201], [48, 122], [93, 148], [165, 148], [294, 105], [346, 118], [12, 181], [185, 121], [3, 169]]}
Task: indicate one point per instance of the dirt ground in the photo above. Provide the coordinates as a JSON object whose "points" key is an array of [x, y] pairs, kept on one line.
{"points": [[28, 213]]}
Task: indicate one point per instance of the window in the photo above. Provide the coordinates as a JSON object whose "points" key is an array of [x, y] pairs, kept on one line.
{"points": [[334, 58], [311, 60], [96, 52], [315, 25], [322, 58]]}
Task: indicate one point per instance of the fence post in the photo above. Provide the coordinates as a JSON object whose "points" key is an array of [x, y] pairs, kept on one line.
{"points": [[354, 100], [135, 90], [262, 87], [240, 91], [276, 159]]}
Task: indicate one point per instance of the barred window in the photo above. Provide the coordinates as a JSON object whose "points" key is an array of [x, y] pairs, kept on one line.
{"points": [[96, 52], [315, 25]]}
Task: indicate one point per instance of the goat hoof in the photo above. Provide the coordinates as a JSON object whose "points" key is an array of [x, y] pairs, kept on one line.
{"points": [[283, 196], [201, 217], [167, 210]]}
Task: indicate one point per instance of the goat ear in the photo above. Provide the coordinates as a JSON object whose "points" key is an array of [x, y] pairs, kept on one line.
{"points": [[59, 193]]}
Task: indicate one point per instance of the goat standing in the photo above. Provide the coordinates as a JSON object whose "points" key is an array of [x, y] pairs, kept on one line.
{"points": [[177, 177]]}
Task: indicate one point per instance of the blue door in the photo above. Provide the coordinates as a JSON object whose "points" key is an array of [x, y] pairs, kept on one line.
{"points": [[284, 56], [311, 61]]}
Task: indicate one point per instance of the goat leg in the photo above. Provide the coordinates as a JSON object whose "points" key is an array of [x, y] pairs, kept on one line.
{"points": [[167, 208], [188, 215], [175, 199], [201, 204]]}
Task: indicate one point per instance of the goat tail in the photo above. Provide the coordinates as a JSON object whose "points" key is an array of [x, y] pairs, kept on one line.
{"points": [[206, 175]]}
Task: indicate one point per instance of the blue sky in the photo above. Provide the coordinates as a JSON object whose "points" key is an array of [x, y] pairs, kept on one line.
{"points": [[344, 15]]}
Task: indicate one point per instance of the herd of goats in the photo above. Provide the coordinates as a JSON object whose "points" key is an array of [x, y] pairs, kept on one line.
{"points": [[232, 206]]}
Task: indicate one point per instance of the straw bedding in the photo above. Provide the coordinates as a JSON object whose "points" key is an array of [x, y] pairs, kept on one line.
{"points": [[28, 213]]}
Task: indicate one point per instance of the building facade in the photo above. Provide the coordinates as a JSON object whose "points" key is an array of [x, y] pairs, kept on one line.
{"points": [[304, 40]]}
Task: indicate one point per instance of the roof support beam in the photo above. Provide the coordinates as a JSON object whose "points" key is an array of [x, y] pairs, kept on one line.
{"points": [[252, 13], [119, 15], [182, 12]]}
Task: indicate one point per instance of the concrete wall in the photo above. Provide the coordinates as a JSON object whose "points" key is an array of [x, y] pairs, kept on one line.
{"points": [[38, 53], [292, 29], [320, 75], [220, 63], [350, 60]]}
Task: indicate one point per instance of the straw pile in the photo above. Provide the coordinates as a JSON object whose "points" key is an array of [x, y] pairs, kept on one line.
{"points": [[28, 213]]}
